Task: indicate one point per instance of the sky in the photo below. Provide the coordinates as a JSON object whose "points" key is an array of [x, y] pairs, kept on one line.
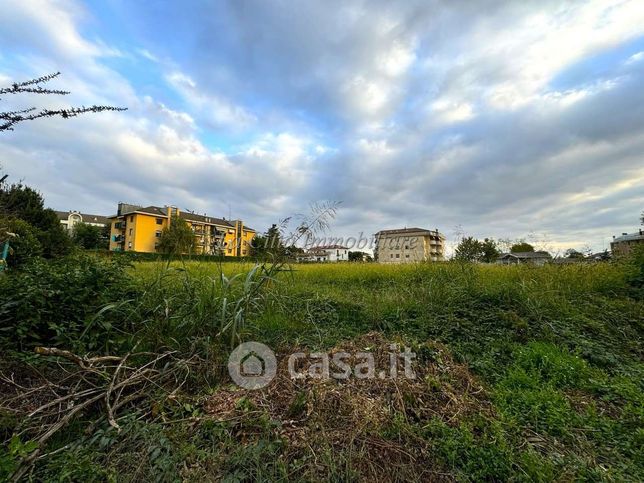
{"points": [[487, 118]]}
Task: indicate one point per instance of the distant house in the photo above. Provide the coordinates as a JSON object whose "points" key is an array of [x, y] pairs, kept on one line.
{"points": [[599, 256], [69, 218], [336, 253], [533, 258], [623, 245], [327, 253], [408, 245], [313, 255]]}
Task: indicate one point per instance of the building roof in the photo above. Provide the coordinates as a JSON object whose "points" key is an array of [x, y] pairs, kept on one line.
{"points": [[629, 237], [186, 215], [526, 255], [151, 210], [403, 231], [331, 247], [86, 217], [316, 251]]}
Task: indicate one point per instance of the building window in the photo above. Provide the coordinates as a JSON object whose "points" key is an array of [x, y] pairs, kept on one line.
{"points": [[129, 245], [130, 231], [132, 218], [159, 221], [391, 255], [406, 256], [157, 234], [406, 247], [397, 255]]}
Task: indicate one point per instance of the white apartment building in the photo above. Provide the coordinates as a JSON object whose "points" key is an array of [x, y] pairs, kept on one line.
{"points": [[69, 218], [409, 245]]}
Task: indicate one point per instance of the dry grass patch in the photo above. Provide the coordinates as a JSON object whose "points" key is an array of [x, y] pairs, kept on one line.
{"points": [[366, 421]]}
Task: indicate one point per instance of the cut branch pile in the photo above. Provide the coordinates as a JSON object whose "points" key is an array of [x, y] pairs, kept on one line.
{"points": [[106, 384]]}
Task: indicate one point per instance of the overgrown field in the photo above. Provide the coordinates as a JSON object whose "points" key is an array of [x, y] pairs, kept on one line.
{"points": [[523, 373]]}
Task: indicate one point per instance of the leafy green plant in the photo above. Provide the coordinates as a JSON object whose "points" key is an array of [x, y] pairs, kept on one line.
{"points": [[13, 453], [635, 267], [67, 303], [23, 241]]}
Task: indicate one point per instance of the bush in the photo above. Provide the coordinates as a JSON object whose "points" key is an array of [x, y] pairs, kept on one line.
{"points": [[25, 246], [635, 268], [71, 302], [88, 236]]}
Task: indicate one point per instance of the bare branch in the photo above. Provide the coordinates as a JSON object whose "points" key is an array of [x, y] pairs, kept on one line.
{"points": [[10, 118]]}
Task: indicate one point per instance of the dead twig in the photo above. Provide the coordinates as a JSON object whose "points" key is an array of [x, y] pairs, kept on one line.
{"points": [[118, 381]]}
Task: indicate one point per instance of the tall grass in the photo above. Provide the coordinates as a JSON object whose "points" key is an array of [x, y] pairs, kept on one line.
{"points": [[559, 350]]}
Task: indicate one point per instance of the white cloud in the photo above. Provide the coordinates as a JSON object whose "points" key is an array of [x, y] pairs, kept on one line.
{"points": [[448, 112], [219, 111], [635, 58], [412, 114]]}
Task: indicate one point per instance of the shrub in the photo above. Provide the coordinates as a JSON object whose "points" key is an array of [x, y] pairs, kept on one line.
{"points": [[25, 246], [64, 302], [635, 268], [88, 236]]}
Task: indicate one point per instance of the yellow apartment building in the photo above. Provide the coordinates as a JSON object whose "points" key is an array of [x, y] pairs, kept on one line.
{"points": [[138, 229]]}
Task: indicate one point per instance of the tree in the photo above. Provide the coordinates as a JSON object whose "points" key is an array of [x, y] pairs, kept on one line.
{"points": [[293, 251], [489, 251], [469, 250], [521, 246], [269, 244], [360, 257], [274, 242], [24, 203], [472, 250], [572, 253], [8, 119], [87, 236], [178, 238], [258, 246], [104, 243]]}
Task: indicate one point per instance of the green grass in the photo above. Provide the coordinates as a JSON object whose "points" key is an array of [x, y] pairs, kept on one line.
{"points": [[558, 349]]}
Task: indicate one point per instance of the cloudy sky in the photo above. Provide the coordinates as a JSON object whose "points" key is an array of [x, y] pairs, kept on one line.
{"points": [[489, 118]]}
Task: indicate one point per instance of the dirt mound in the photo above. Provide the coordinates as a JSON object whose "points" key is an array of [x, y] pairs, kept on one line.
{"points": [[362, 416]]}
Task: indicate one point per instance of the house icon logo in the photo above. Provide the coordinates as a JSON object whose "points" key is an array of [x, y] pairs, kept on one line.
{"points": [[252, 365]]}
